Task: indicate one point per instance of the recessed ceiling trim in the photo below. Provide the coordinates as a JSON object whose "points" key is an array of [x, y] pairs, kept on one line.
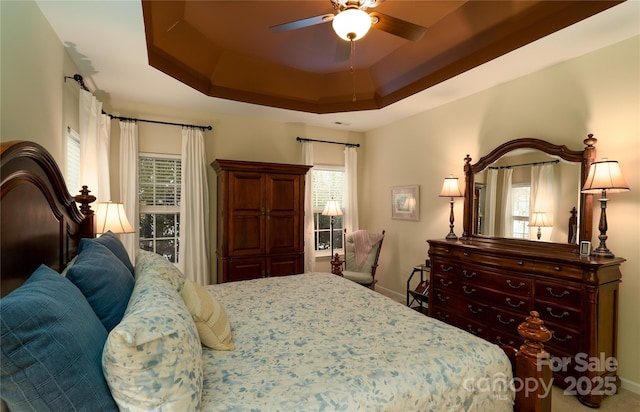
{"points": [[472, 33]]}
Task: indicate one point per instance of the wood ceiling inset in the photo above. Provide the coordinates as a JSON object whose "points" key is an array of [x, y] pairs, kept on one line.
{"points": [[225, 48]]}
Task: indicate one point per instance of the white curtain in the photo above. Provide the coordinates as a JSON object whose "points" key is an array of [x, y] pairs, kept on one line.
{"points": [[489, 223], [194, 208], [95, 130], [507, 215], [544, 193], [129, 182], [351, 189], [309, 233]]}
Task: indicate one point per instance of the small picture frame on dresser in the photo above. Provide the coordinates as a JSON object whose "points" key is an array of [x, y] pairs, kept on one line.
{"points": [[585, 248]]}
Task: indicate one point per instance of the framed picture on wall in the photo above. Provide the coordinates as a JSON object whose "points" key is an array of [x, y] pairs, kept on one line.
{"points": [[405, 202]]}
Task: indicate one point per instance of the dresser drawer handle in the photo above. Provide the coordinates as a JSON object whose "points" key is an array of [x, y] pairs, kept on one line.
{"points": [[499, 339], [557, 268], [467, 274], [445, 284], [568, 337], [441, 316], [476, 331], [474, 311], [518, 286], [446, 269], [468, 291], [563, 294], [520, 263], [513, 305], [442, 298], [465, 254], [562, 315], [505, 322]]}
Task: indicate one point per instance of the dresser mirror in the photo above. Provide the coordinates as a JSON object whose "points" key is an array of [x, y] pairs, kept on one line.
{"points": [[504, 185]]}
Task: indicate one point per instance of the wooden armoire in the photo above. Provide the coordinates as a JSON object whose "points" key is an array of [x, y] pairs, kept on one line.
{"points": [[260, 219]]}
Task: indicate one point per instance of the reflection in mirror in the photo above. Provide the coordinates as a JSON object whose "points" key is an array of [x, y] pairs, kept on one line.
{"points": [[551, 185], [525, 194]]}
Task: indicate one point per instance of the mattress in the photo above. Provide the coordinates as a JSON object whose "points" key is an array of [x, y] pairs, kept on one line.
{"points": [[318, 342]]}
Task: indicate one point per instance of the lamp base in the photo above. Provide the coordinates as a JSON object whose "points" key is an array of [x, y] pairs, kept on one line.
{"points": [[451, 236], [602, 252]]}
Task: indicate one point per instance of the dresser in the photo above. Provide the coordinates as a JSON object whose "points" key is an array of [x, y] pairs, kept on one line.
{"points": [[486, 286], [260, 219]]}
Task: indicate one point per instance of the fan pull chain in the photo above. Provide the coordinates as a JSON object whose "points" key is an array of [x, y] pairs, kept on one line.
{"points": [[353, 73]]}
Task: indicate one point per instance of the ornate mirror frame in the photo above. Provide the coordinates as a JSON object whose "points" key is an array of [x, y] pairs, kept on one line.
{"points": [[586, 157]]}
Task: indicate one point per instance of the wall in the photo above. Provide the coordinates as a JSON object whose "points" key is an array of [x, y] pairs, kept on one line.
{"points": [[233, 137], [597, 93]]}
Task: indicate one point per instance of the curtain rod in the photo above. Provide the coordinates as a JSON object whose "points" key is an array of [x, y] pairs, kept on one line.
{"points": [[303, 139], [158, 122], [78, 79], [523, 164]]}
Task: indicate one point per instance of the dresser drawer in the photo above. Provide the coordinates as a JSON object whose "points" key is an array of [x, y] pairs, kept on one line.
{"points": [[477, 328], [442, 296], [558, 270], [564, 315], [505, 320], [505, 338], [499, 262], [441, 266], [445, 280], [505, 283], [559, 294], [562, 339]]}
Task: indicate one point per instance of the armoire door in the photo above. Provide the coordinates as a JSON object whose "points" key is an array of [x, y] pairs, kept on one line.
{"points": [[284, 220], [247, 214]]}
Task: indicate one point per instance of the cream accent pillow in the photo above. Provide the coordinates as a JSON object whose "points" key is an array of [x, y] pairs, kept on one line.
{"points": [[209, 316]]}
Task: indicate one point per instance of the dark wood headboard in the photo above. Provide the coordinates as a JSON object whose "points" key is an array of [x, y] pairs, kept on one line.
{"points": [[40, 221]]}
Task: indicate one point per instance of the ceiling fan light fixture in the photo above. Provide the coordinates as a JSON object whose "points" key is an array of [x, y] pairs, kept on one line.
{"points": [[351, 24]]}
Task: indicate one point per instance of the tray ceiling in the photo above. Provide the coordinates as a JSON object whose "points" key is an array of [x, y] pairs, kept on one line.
{"points": [[225, 49]]}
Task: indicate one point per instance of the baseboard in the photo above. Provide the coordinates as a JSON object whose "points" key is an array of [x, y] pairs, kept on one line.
{"points": [[631, 386], [398, 297]]}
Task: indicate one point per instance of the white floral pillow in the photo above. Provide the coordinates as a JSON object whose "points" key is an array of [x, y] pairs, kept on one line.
{"points": [[166, 269], [152, 360]]}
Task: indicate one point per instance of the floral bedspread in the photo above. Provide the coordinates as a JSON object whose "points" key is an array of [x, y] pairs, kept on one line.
{"points": [[318, 342]]}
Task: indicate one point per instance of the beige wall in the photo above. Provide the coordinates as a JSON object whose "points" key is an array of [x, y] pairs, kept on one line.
{"points": [[597, 93]]}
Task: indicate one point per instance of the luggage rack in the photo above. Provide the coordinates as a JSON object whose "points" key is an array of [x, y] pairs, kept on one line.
{"points": [[418, 298]]}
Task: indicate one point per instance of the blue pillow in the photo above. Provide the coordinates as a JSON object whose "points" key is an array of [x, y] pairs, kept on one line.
{"points": [[103, 280], [113, 243], [51, 353]]}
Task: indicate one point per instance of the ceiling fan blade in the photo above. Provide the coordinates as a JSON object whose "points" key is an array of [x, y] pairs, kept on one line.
{"points": [[398, 27], [298, 24]]}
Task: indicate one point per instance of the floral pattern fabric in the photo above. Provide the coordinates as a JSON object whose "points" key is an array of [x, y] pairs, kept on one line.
{"points": [[318, 342]]}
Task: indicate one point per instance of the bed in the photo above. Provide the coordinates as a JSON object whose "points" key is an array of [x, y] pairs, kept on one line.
{"points": [[146, 338]]}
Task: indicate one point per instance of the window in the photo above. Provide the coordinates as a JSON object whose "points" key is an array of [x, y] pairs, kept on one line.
{"points": [[73, 161], [328, 183], [520, 197], [159, 197]]}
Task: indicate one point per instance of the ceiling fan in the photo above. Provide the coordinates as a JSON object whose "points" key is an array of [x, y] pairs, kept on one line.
{"points": [[352, 22]]}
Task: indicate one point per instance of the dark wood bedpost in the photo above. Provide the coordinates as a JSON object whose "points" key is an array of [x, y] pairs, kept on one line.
{"points": [[85, 200], [533, 369]]}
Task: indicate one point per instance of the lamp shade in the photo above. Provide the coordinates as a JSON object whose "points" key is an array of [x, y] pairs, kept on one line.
{"points": [[605, 175], [539, 219], [111, 217], [351, 24], [450, 188], [332, 208]]}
